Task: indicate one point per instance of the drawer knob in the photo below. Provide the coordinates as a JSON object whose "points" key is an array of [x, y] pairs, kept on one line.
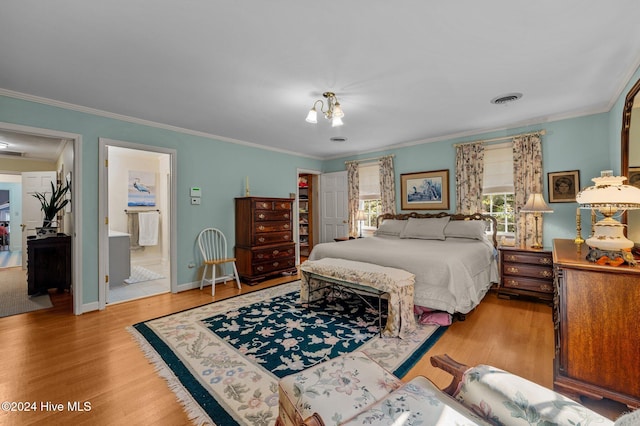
{"points": [[286, 226], [545, 261], [512, 283], [261, 239], [284, 205], [511, 257], [276, 263], [265, 205], [512, 269], [285, 237], [261, 216], [546, 274], [260, 268], [260, 256], [275, 252], [286, 215], [546, 287], [261, 228]]}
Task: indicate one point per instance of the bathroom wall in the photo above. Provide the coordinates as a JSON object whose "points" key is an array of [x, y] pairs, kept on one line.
{"points": [[121, 162]]}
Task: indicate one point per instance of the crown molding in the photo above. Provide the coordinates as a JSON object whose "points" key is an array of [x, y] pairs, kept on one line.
{"points": [[107, 114]]}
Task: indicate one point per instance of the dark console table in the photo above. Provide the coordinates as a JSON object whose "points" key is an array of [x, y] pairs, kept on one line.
{"points": [[48, 264]]}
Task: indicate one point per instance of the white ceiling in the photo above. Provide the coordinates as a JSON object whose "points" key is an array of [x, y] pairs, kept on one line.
{"points": [[404, 72]]}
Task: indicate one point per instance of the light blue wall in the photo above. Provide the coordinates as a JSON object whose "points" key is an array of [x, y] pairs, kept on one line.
{"points": [[218, 167], [588, 144]]}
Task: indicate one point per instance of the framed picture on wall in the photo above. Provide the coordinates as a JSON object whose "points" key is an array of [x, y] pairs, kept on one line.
{"points": [[563, 186], [634, 177], [425, 190]]}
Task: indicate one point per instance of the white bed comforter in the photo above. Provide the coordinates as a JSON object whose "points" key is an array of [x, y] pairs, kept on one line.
{"points": [[451, 275]]}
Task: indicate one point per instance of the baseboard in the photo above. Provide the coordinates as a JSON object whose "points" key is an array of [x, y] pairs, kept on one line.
{"points": [[89, 307]]}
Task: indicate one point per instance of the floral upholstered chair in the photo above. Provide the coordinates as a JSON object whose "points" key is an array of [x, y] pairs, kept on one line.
{"points": [[502, 398]]}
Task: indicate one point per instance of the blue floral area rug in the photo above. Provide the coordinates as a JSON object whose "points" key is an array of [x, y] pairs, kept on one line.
{"points": [[223, 360]]}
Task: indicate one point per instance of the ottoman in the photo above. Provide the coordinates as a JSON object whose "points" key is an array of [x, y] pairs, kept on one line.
{"points": [[337, 389]]}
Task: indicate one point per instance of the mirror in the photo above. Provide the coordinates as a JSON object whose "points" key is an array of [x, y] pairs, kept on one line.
{"points": [[630, 165]]}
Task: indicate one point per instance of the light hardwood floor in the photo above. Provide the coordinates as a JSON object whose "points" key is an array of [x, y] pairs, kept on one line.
{"points": [[54, 356]]}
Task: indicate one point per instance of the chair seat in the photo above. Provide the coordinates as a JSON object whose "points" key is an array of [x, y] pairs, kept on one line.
{"points": [[220, 261]]}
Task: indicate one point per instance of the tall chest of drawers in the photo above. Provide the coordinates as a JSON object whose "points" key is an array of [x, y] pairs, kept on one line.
{"points": [[526, 272], [264, 238]]}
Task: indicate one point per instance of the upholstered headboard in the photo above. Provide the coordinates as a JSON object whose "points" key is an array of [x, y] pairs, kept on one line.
{"points": [[453, 216]]}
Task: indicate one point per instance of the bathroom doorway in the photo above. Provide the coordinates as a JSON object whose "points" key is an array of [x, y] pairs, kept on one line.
{"points": [[139, 241]]}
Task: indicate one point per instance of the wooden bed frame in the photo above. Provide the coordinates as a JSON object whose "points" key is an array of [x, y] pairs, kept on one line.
{"points": [[453, 216]]}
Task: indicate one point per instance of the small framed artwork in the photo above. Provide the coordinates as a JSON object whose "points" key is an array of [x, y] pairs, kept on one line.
{"points": [[634, 177], [564, 186], [425, 190]]}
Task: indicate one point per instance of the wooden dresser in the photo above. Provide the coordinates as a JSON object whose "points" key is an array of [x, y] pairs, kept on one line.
{"points": [[597, 332], [526, 272], [264, 238]]}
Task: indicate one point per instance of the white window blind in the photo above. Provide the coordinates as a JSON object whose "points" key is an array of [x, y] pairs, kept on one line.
{"points": [[498, 169], [369, 181]]}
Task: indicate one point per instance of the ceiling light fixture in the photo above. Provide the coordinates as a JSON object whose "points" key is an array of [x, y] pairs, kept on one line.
{"points": [[4, 145], [333, 112]]}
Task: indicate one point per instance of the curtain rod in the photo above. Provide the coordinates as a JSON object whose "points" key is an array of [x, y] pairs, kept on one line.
{"points": [[369, 159], [504, 138]]}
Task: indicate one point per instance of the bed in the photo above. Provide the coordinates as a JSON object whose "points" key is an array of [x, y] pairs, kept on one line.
{"points": [[451, 255]]}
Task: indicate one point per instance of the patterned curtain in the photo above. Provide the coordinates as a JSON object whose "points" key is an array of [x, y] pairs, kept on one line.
{"points": [[387, 185], [469, 172], [353, 194], [527, 179]]}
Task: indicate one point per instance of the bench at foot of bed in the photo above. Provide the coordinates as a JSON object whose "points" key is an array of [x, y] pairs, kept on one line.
{"points": [[368, 278]]}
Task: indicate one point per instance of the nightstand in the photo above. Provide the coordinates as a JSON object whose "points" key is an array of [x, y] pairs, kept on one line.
{"points": [[526, 272]]}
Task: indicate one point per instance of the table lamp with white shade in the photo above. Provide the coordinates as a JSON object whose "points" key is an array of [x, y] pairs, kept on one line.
{"points": [[609, 197], [536, 205]]}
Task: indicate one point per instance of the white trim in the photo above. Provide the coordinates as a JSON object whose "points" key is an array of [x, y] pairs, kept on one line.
{"points": [[76, 190], [103, 205], [89, 307], [101, 113]]}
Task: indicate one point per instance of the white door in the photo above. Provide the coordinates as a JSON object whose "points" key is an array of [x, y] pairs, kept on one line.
{"points": [[334, 206], [32, 215]]}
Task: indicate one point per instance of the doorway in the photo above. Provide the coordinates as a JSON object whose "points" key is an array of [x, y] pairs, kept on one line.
{"points": [[8, 258], [138, 239], [307, 213], [62, 151]]}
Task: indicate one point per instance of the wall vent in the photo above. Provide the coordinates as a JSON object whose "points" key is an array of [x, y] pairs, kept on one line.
{"points": [[11, 153]]}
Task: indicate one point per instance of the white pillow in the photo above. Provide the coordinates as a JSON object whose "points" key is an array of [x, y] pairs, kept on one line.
{"points": [[426, 228], [392, 227], [472, 229]]}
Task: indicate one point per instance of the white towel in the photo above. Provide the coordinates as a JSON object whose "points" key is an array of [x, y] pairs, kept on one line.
{"points": [[148, 223]]}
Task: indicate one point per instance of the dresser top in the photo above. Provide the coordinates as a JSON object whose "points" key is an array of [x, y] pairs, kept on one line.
{"points": [[571, 255]]}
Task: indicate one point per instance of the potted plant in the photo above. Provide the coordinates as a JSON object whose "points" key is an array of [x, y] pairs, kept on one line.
{"points": [[51, 204]]}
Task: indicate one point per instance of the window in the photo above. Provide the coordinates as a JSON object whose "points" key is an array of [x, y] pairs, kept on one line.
{"points": [[500, 206], [497, 182], [369, 198]]}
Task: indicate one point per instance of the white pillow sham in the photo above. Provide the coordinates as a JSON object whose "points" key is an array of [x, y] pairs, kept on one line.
{"points": [[472, 229], [425, 228], [391, 227]]}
